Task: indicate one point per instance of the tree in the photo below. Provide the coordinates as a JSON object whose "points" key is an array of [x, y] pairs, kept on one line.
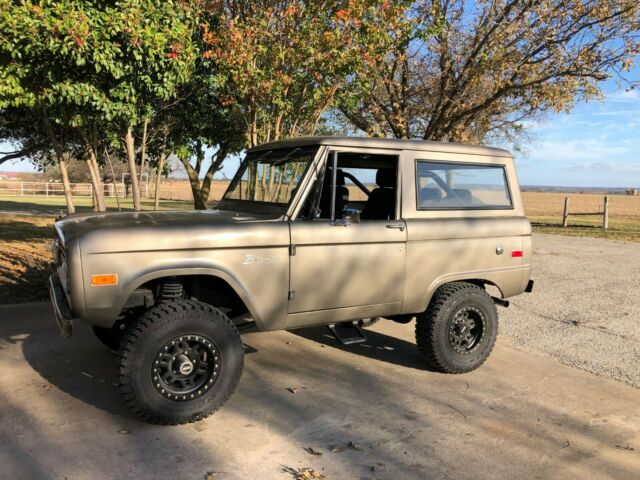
{"points": [[210, 129], [483, 67], [157, 54], [96, 70], [284, 62]]}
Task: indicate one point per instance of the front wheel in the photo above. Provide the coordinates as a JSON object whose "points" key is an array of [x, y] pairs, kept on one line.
{"points": [[458, 331], [180, 362]]}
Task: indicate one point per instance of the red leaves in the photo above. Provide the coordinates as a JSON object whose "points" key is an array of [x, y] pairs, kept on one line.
{"points": [[291, 11], [176, 49], [343, 15], [79, 42]]}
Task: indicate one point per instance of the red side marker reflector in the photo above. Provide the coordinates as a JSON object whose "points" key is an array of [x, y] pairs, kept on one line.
{"points": [[516, 253]]}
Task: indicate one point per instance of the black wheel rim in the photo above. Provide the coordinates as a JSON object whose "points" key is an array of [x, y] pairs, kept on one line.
{"points": [[466, 329], [186, 367]]}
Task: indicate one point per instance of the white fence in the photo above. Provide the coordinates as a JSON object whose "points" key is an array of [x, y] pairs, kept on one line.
{"points": [[52, 189]]}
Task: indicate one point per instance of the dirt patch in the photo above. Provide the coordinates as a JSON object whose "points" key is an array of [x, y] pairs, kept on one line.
{"points": [[25, 258]]}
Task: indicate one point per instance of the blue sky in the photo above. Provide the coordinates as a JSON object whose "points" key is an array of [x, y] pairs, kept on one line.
{"points": [[597, 144]]}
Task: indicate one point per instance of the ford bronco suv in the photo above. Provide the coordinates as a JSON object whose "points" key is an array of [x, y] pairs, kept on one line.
{"points": [[311, 231]]}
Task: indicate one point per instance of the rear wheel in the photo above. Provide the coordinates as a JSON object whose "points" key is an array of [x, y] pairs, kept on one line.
{"points": [[180, 362], [458, 331]]}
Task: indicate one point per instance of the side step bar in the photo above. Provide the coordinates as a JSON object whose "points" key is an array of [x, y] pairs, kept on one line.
{"points": [[358, 335]]}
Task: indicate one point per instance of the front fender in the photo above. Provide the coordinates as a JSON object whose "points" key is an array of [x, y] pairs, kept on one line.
{"points": [[262, 287]]}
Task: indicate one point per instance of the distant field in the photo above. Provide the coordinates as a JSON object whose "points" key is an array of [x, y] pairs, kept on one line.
{"points": [[51, 206], [544, 209], [551, 204]]}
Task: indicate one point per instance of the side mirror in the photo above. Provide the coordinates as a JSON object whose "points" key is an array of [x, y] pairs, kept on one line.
{"points": [[347, 220]]}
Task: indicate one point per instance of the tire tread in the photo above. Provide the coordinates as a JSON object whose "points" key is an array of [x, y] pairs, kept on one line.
{"points": [[426, 327], [164, 312]]}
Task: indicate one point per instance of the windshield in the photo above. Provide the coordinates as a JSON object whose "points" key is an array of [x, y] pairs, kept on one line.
{"points": [[267, 181]]}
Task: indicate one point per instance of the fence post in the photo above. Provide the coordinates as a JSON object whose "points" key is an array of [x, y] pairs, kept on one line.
{"points": [[605, 220], [565, 215], [46, 189], [22, 189]]}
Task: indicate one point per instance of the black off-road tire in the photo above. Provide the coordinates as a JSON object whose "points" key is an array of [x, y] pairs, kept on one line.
{"points": [[143, 343], [437, 329], [109, 337]]}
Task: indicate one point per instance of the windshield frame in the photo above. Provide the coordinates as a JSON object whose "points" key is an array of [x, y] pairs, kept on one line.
{"points": [[273, 210]]}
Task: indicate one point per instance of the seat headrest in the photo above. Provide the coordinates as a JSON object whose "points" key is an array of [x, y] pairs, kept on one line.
{"points": [[463, 194], [430, 195], [386, 178], [340, 178]]}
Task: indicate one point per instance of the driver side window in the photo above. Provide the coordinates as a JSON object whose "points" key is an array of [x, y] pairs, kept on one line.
{"points": [[363, 185]]}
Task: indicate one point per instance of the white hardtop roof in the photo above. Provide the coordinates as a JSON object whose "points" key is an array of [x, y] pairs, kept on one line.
{"points": [[386, 143]]}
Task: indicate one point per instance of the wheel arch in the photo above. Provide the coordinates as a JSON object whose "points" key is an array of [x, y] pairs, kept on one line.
{"points": [[480, 281], [213, 274]]}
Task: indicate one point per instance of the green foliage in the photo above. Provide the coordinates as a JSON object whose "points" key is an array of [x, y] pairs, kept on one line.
{"points": [[109, 60], [285, 61]]}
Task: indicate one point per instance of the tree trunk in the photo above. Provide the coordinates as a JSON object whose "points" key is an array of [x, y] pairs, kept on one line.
{"points": [[198, 202], [216, 163], [143, 150], [113, 178], [62, 162], [163, 153], [94, 172], [66, 184], [130, 147], [156, 200]]}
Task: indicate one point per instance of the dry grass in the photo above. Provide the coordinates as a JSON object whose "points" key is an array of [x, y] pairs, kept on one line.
{"points": [[25, 258], [544, 209], [26, 232], [550, 204]]}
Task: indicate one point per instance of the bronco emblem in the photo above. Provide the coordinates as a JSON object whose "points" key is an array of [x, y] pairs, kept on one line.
{"points": [[249, 259]]}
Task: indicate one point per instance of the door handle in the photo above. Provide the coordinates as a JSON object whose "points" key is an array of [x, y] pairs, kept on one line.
{"points": [[399, 226]]}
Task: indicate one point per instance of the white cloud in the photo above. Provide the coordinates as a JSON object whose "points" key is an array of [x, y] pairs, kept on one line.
{"points": [[623, 96]]}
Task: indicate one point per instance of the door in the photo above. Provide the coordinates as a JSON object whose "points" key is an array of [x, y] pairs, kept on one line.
{"points": [[347, 261], [337, 266]]}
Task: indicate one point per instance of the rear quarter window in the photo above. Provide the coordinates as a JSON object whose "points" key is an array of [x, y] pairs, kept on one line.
{"points": [[459, 186]]}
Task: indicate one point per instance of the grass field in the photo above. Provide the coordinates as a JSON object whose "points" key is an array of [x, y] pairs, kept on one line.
{"points": [[51, 206], [26, 229], [544, 209]]}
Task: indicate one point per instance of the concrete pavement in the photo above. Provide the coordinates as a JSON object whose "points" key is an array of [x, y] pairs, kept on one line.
{"points": [[521, 415], [585, 307]]}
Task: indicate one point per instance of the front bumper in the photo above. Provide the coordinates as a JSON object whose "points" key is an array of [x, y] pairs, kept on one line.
{"points": [[61, 310]]}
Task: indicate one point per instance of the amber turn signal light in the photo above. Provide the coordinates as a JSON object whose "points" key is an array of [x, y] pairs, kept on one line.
{"points": [[104, 280]]}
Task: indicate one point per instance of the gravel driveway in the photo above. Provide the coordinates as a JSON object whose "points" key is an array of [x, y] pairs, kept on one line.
{"points": [[585, 308]]}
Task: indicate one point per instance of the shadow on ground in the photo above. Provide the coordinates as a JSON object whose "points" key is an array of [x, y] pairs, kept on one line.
{"points": [[402, 421], [378, 346]]}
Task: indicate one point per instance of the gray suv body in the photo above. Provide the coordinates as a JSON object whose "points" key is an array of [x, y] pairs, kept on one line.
{"points": [[311, 231]]}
